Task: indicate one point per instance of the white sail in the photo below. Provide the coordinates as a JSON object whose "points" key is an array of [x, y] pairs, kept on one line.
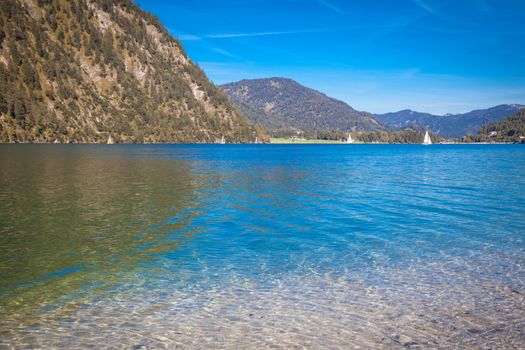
{"points": [[427, 140], [110, 140], [349, 140], [223, 141]]}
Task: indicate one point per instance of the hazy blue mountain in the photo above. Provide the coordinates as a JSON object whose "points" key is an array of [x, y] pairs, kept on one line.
{"points": [[278, 103], [450, 125]]}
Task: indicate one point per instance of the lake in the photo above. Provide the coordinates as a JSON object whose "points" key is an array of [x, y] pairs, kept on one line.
{"points": [[252, 246]]}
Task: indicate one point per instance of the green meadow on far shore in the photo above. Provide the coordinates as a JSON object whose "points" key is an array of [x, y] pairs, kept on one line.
{"points": [[286, 140]]}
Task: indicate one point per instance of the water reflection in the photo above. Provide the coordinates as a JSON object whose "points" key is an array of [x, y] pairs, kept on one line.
{"points": [[75, 224]]}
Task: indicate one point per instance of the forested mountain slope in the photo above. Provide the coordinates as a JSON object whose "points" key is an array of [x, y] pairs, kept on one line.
{"points": [[510, 129], [78, 71], [279, 103]]}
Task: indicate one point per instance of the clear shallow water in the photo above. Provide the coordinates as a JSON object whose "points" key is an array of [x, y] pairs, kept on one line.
{"points": [[262, 246]]}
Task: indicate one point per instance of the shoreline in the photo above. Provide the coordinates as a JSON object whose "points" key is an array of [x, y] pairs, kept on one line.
{"points": [[290, 142]]}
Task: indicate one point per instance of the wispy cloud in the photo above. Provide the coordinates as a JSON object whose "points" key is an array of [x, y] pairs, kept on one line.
{"points": [[223, 52], [255, 34], [331, 6], [241, 35], [424, 6]]}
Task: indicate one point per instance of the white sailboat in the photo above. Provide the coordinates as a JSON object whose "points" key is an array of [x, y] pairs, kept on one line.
{"points": [[110, 140], [256, 139], [223, 141], [349, 140], [427, 140]]}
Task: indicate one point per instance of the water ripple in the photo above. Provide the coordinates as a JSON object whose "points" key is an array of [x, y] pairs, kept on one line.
{"points": [[262, 246]]}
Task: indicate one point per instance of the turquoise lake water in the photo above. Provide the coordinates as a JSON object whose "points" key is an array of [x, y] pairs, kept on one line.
{"points": [[254, 246]]}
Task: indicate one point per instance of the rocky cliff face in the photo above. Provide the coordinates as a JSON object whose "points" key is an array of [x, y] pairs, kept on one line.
{"points": [[80, 70]]}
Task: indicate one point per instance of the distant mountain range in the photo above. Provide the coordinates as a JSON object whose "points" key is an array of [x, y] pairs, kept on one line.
{"points": [[450, 125], [280, 103]]}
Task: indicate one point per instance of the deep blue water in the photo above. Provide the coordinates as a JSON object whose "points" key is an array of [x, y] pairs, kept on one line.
{"points": [[210, 236]]}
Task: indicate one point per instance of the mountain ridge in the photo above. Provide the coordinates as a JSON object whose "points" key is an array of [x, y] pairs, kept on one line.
{"points": [[279, 103], [448, 125]]}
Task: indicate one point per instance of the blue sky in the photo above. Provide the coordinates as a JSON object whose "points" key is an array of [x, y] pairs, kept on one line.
{"points": [[435, 56]]}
